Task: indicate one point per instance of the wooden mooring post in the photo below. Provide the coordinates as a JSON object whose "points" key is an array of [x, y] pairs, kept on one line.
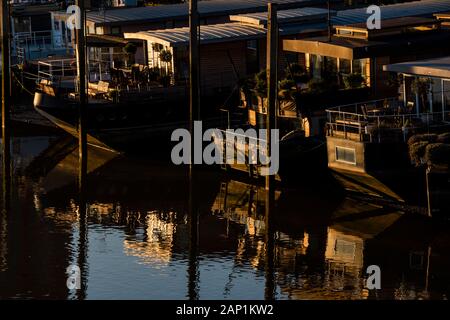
{"points": [[194, 114], [82, 114], [6, 103], [272, 65]]}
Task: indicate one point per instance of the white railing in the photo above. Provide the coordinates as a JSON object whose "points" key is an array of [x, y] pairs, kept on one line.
{"points": [[380, 120], [57, 69]]}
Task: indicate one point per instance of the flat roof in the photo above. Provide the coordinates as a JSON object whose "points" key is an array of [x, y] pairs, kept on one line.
{"points": [[355, 48], [284, 16], [234, 31], [394, 23], [208, 34], [439, 68], [424, 8], [181, 11]]}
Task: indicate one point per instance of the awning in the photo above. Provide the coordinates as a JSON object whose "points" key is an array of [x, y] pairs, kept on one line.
{"points": [[438, 68]]}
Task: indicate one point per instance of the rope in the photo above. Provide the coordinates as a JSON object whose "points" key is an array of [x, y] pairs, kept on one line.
{"points": [[21, 84]]}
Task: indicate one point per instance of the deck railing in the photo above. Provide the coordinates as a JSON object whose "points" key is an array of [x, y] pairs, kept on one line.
{"points": [[56, 70], [380, 120]]}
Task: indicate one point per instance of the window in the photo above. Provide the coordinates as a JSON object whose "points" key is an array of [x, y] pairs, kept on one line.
{"points": [[116, 30], [98, 30], [346, 155], [252, 56], [345, 66]]}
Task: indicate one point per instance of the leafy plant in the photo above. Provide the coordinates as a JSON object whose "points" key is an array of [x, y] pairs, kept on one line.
{"points": [[421, 87], [261, 83], [427, 137], [165, 56], [417, 152], [130, 48], [286, 88], [354, 81]]}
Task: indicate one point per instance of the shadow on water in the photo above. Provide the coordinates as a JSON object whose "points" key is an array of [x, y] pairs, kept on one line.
{"points": [[142, 228]]}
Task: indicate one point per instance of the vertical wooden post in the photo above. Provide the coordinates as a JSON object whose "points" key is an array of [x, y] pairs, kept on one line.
{"points": [[81, 65], [6, 102], [193, 63], [272, 65], [443, 99], [193, 116]]}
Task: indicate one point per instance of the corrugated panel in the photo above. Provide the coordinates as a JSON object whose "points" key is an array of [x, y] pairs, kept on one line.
{"points": [[208, 34], [260, 18], [211, 7], [236, 31], [417, 8]]}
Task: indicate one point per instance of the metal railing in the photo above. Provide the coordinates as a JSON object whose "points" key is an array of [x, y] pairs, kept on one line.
{"points": [[54, 70], [36, 41], [380, 120]]}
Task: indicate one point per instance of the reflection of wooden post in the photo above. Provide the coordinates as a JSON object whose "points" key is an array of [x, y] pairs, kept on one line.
{"points": [[6, 103], [193, 239], [81, 63], [272, 64], [427, 179], [427, 271]]}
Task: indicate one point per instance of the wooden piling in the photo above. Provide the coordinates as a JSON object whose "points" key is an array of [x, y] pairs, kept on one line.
{"points": [[82, 115], [6, 102], [194, 114], [272, 65], [194, 88]]}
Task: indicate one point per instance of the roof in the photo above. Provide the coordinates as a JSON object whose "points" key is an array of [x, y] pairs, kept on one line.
{"points": [[238, 31], [339, 47], [180, 11], [396, 23], [439, 68], [284, 16], [95, 40], [208, 34], [355, 48], [424, 8]]}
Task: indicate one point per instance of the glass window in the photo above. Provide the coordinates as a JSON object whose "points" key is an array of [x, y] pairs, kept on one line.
{"points": [[252, 56], [346, 155], [116, 30], [345, 66]]}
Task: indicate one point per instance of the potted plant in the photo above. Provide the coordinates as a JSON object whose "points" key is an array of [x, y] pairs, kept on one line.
{"points": [[130, 50]]}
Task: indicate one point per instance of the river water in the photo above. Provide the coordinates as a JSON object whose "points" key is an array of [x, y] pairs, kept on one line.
{"points": [[137, 239]]}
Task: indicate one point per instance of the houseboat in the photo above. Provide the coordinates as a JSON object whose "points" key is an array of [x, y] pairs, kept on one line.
{"points": [[370, 146]]}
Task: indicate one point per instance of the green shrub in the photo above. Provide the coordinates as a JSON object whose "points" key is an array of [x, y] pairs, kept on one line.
{"points": [[417, 151], [427, 137], [130, 48], [354, 81], [261, 83], [437, 153]]}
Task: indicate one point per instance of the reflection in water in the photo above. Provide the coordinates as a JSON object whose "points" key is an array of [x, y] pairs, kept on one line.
{"points": [[146, 230]]}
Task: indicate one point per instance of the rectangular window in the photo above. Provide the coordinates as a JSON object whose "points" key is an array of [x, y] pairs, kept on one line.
{"points": [[252, 56], [347, 155], [345, 66], [116, 30]]}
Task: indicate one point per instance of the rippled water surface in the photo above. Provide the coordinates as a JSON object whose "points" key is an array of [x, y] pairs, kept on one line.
{"points": [[137, 239]]}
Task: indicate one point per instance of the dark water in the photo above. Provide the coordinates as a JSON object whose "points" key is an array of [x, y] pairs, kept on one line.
{"points": [[138, 241]]}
